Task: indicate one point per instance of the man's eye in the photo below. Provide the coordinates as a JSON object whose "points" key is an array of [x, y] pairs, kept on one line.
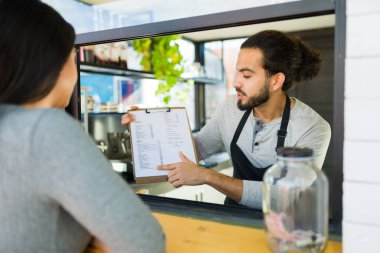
{"points": [[246, 77]]}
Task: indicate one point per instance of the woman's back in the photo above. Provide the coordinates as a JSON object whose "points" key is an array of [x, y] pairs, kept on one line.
{"points": [[53, 176]]}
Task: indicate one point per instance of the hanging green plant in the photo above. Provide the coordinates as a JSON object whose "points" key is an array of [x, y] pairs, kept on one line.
{"points": [[162, 56]]}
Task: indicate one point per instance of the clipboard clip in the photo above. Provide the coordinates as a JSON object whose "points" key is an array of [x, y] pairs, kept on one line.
{"points": [[157, 110]]}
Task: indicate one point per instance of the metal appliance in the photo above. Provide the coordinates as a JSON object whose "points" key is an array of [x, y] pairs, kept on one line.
{"points": [[112, 138]]}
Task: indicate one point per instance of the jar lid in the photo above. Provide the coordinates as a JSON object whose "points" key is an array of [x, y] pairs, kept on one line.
{"points": [[294, 152]]}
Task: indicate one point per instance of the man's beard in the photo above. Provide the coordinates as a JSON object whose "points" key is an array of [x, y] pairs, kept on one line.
{"points": [[254, 101]]}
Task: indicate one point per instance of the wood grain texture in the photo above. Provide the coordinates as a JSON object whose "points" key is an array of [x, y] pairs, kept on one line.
{"points": [[189, 235]]}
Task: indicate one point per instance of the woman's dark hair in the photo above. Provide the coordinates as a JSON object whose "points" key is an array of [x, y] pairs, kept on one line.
{"points": [[286, 54], [35, 43]]}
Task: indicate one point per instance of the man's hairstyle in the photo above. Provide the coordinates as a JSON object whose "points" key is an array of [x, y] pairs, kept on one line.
{"points": [[286, 54], [35, 43]]}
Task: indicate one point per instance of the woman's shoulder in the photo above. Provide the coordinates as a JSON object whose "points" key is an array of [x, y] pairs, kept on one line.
{"points": [[56, 124], [56, 118], [15, 116], [43, 122]]}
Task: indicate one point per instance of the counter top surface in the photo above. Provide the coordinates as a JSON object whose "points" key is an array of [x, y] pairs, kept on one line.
{"points": [[184, 234], [192, 235]]}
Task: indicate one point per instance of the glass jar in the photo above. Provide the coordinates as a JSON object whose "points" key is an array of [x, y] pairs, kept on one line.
{"points": [[295, 203]]}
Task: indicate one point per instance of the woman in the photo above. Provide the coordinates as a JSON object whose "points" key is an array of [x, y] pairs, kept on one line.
{"points": [[57, 191]]}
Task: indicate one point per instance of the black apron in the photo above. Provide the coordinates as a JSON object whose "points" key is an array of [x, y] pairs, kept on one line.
{"points": [[243, 169]]}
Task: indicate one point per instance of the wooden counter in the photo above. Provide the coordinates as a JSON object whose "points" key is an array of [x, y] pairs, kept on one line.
{"points": [[191, 235], [188, 235]]}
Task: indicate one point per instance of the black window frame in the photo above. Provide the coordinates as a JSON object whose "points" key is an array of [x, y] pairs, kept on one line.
{"points": [[255, 15]]}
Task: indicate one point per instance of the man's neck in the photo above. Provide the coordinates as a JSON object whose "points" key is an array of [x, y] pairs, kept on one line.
{"points": [[272, 109]]}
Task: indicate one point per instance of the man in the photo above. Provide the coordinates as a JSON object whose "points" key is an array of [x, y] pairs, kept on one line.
{"points": [[260, 118]]}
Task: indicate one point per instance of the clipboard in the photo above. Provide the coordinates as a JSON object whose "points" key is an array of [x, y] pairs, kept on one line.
{"points": [[157, 137]]}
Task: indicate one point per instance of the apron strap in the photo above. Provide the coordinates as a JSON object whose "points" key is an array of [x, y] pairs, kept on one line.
{"points": [[281, 134], [241, 126]]}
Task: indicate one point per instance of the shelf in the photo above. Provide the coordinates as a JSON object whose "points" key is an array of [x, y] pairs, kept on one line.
{"points": [[205, 80], [109, 70]]}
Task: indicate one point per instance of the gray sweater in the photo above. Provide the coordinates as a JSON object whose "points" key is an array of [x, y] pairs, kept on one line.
{"points": [[57, 189], [306, 128]]}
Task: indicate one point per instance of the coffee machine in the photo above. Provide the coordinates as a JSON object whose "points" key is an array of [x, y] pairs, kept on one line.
{"points": [[112, 139]]}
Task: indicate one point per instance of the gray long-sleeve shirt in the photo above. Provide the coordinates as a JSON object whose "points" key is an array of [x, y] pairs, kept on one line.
{"points": [[306, 128], [57, 189]]}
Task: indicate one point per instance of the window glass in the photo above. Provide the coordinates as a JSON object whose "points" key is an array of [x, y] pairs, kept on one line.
{"points": [[114, 14], [215, 93], [113, 79], [220, 61], [216, 73], [230, 53], [111, 93], [187, 50]]}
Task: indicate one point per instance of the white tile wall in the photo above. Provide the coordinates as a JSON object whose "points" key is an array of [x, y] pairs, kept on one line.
{"points": [[361, 77], [359, 238], [361, 188], [363, 35], [361, 203], [362, 161], [362, 119], [362, 6]]}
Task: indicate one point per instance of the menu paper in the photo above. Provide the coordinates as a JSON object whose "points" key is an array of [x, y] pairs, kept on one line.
{"points": [[157, 136]]}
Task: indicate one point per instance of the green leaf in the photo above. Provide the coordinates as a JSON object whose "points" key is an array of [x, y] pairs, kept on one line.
{"points": [[171, 80], [167, 99], [162, 56]]}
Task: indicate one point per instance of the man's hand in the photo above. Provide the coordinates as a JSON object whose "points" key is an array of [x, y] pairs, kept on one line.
{"points": [[128, 117], [189, 173], [185, 172]]}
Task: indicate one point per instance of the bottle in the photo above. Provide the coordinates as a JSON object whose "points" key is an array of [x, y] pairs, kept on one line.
{"points": [[295, 203]]}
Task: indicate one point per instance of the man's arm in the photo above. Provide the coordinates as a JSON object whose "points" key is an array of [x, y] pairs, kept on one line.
{"points": [[229, 186], [189, 173], [318, 139]]}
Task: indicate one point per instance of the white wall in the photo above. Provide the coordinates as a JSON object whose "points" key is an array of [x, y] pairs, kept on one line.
{"points": [[174, 9], [361, 188], [77, 14]]}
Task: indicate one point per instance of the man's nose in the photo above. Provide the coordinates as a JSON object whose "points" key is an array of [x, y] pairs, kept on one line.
{"points": [[235, 81]]}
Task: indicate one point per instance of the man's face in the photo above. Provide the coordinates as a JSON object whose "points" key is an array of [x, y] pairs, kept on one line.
{"points": [[251, 82]]}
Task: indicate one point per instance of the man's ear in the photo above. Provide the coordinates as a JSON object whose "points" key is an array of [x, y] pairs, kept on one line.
{"points": [[278, 81]]}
